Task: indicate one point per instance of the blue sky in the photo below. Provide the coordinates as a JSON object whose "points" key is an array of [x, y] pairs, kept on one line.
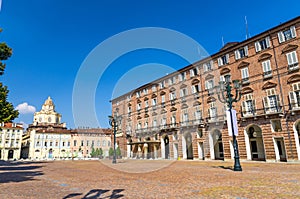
{"points": [[52, 38]]}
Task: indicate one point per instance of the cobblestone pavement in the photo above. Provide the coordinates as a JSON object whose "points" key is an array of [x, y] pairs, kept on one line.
{"points": [[161, 179]]}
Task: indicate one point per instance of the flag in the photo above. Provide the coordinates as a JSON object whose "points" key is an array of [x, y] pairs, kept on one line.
{"points": [[234, 121]]}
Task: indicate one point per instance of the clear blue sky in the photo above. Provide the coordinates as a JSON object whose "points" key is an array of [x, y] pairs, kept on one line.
{"points": [[51, 39]]}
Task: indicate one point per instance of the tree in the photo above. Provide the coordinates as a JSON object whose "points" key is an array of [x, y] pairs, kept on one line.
{"points": [[7, 111], [111, 152], [93, 153], [118, 152], [100, 152]]}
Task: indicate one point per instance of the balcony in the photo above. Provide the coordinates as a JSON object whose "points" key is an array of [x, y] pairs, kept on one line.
{"points": [[293, 67], [248, 113], [245, 81], [273, 109], [267, 74]]}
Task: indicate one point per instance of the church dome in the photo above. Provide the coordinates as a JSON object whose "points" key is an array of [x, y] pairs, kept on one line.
{"points": [[49, 101]]}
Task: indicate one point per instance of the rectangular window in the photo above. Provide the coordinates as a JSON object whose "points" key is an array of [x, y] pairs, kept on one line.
{"points": [[271, 102], [294, 96], [287, 34], [173, 120], [197, 115], [195, 88], [75, 142], [212, 111], [138, 94], [146, 104], [81, 142], [267, 68], [163, 99], [208, 66], [154, 102], [223, 60], [209, 84], [245, 75], [153, 88], [240, 53], [194, 72], [145, 91], [292, 60], [173, 95], [262, 44], [138, 107], [183, 92], [248, 105], [184, 118], [162, 84], [182, 76]]}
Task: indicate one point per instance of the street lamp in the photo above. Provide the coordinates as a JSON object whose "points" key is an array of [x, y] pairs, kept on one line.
{"points": [[113, 122], [225, 96]]}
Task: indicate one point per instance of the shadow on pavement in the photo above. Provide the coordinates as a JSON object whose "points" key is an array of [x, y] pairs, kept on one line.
{"points": [[97, 193], [18, 171], [7, 177], [223, 167]]}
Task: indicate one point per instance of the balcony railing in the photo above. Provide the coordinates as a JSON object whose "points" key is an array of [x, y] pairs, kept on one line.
{"points": [[294, 66], [267, 74]]}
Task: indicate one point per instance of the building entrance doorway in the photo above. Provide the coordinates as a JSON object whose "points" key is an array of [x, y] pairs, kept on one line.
{"points": [[50, 155], [216, 145], [254, 143], [10, 154], [189, 146], [280, 149]]}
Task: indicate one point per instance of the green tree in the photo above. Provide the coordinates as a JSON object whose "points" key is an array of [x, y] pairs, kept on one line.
{"points": [[7, 111], [118, 152], [100, 152], [93, 153], [111, 152]]}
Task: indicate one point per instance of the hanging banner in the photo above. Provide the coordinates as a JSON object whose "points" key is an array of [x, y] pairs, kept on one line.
{"points": [[234, 122]]}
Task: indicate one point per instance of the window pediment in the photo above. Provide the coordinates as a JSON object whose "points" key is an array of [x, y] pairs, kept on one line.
{"points": [[264, 56], [243, 64], [129, 104], [146, 115], [153, 96], [163, 111], [184, 106], [247, 90], [154, 113], [146, 98], [269, 85], [224, 71], [195, 81], [294, 78], [139, 101], [162, 93], [289, 48], [183, 86], [211, 99], [139, 117], [209, 76], [197, 103], [173, 109], [172, 89]]}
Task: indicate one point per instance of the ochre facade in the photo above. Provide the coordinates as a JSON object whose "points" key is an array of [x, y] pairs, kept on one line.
{"points": [[180, 115]]}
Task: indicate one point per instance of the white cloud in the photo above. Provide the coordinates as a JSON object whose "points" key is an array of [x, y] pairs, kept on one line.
{"points": [[25, 108], [25, 125]]}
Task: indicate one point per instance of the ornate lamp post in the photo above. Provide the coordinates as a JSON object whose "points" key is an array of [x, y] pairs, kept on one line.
{"points": [[225, 96], [114, 122]]}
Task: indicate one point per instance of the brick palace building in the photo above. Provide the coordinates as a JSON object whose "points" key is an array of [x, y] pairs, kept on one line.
{"points": [[180, 116]]}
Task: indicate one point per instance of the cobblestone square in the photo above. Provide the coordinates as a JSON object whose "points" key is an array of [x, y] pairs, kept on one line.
{"points": [[148, 179]]}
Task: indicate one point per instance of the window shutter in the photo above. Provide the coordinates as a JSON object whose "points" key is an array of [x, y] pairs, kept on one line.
{"points": [[254, 108], [278, 102], [227, 58], [211, 64], [294, 57], [289, 58], [266, 103], [293, 31], [220, 62], [236, 54], [206, 84], [281, 37], [257, 46], [244, 107], [246, 50], [180, 77], [222, 78], [268, 42], [193, 89], [192, 74], [181, 93], [205, 67], [293, 99]]}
